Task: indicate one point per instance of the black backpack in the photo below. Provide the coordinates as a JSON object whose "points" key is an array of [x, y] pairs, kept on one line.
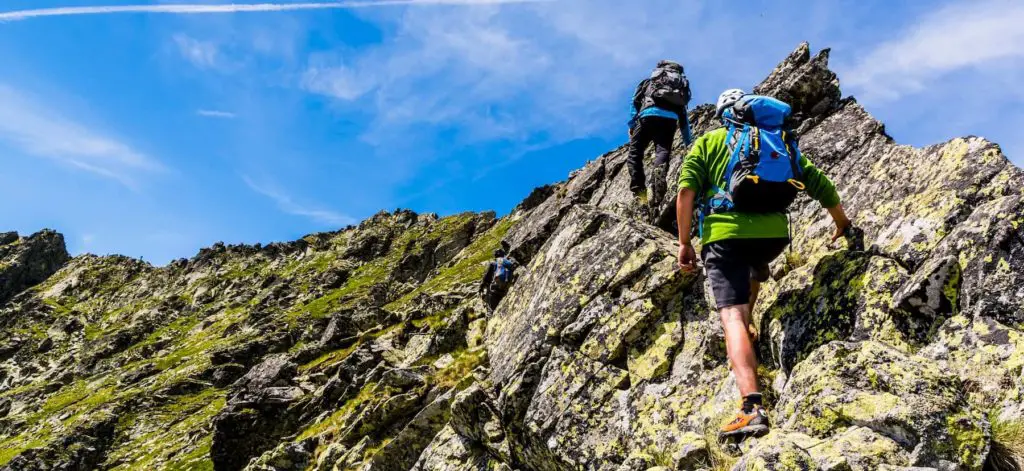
{"points": [[667, 88]]}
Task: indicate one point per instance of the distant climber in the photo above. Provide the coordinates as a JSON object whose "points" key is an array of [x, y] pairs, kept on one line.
{"points": [[498, 277], [659, 109], [746, 175]]}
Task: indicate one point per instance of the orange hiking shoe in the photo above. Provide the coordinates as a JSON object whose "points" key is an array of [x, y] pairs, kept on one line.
{"points": [[753, 424]]}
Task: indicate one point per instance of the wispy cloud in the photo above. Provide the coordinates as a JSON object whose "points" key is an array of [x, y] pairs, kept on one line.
{"points": [[962, 35], [184, 9], [39, 130], [202, 54], [555, 71], [337, 81], [287, 204], [216, 114]]}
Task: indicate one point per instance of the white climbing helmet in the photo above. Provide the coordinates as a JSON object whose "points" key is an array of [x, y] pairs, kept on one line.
{"points": [[727, 99]]}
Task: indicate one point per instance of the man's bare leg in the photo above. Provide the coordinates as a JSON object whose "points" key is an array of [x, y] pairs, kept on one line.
{"points": [[740, 347]]}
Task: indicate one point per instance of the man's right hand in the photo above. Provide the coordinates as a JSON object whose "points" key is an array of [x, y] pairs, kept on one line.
{"points": [[687, 258], [842, 222], [841, 228]]}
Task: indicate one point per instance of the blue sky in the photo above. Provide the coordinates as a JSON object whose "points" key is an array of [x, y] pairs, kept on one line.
{"points": [[154, 133]]}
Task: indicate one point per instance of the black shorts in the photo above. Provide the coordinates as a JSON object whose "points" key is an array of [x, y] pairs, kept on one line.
{"points": [[731, 264]]}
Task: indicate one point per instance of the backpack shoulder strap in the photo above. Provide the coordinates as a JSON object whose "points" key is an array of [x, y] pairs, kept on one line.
{"points": [[639, 94], [738, 146], [736, 143], [794, 153]]}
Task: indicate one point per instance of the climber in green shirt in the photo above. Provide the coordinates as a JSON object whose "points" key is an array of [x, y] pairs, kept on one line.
{"points": [[737, 247]]}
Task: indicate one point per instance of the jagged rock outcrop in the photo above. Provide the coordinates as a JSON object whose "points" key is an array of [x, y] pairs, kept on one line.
{"points": [[28, 261], [368, 348]]}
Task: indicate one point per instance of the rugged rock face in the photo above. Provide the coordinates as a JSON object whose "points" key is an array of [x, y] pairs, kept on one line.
{"points": [[368, 349], [27, 261]]}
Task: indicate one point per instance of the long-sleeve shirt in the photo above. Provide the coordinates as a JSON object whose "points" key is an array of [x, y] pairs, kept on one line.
{"points": [[637, 111], [705, 166]]}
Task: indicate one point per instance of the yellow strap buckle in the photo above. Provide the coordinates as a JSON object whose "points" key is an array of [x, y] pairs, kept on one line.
{"points": [[797, 184]]}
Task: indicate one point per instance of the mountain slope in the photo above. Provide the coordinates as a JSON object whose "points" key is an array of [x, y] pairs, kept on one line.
{"points": [[368, 349]]}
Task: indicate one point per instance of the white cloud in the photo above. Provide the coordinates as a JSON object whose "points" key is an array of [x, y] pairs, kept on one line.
{"points": [[285, 203], [337, 81], [41, 131], [962, 35], [233, 8], [202, 54], [558, 70], [216, 114]]}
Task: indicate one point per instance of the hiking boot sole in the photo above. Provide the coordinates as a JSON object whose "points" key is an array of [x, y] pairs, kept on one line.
{"points": [[748, 431]]}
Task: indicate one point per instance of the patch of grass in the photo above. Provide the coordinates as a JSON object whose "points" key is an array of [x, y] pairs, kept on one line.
{"points": [[239, 272], [336, 421], [434, 321], [794, 260], [67, 396], [321, 262], [411, 242], [336, 356], [329, 358], [176, 329], [765, 378], [369, 452], [21, 389], [58, 308], [318, 263], [112, 320], [354, 289], [80, 401], [459, 373], [13, 448], [196, 460], [195, 346], [718, 458], [160, 438], [1007, 452]]}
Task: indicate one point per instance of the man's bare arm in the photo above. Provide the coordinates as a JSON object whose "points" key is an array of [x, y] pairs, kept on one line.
{"points": [[684, 223]]}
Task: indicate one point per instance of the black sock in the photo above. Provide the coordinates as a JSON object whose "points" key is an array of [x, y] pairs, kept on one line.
{"points": [[751, 400]]}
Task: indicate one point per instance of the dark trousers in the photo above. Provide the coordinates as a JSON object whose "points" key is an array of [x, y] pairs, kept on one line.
{"points": [[660, 131]]}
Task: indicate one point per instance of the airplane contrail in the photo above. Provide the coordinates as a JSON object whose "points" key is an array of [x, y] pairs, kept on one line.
{"points": [[189, 9]]}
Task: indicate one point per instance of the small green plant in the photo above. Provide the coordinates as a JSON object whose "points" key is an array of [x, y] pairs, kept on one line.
{"points": [[794, 260], [1007, 452], [766, 379], [719, 458]]}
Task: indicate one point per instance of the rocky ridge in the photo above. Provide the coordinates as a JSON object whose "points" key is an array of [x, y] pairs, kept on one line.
{"points": [[368, 349]]}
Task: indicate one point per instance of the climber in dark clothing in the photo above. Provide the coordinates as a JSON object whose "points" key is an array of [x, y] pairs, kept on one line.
{"points": [[498, 277], [659, 103]]}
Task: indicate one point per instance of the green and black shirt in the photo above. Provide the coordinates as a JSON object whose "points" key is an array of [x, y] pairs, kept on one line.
{"points": [[705, 165]]}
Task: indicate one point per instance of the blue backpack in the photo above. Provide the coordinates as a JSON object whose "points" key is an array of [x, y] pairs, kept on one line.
{"points": [[763, 174], [502, 271]]}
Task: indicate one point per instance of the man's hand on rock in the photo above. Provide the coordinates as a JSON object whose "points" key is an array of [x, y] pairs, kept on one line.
{"points": [[841, 228], [843, 222], [687, 258]]}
